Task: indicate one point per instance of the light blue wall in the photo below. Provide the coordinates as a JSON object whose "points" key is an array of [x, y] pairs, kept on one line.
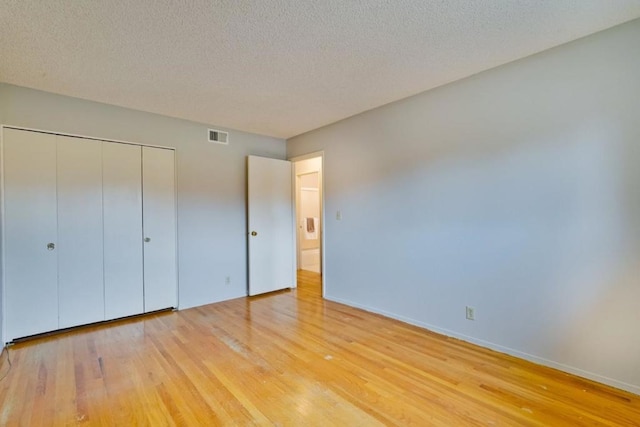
{"points": [[515, 191]]}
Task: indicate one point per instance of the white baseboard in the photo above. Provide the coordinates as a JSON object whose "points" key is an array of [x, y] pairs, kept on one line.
{"points": [[512, 352]]}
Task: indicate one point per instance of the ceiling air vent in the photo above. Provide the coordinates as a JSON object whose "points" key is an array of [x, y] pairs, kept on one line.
{"points": [[218, 136]]}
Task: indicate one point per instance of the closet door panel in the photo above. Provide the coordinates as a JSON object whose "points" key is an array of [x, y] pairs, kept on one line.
{"points": [[80, 238], [31, 286], [122, 198], [159, 225]]}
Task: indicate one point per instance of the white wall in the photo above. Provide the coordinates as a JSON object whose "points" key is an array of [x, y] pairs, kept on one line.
{"points": [[515, 191], [211, 180]]}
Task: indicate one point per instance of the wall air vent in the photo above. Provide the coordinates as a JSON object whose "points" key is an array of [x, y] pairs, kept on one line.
{"points": [[218, 136]]}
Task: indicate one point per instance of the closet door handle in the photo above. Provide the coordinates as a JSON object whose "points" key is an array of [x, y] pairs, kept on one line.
{"points": [[254, 233], [147, 239], [51, 246]]}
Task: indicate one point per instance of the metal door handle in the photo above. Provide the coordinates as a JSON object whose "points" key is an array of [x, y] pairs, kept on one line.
{"points": [[51, 246], [147, 239], [254, 233]]}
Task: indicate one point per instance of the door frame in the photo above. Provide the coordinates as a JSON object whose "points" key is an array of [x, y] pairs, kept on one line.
{"points": [[323, 263]]}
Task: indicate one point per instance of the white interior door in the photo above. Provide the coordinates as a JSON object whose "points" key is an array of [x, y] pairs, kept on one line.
{"points": [[271, 235], [80, 239], [31, 282], [159, 228], [122, 207]]}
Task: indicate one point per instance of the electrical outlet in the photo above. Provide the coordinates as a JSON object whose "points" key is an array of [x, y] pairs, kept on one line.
{"points": [[471, 313], [339, 215], [227, 280]]}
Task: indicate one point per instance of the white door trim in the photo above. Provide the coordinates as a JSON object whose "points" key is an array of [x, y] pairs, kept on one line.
{"points": [[75, 135]]}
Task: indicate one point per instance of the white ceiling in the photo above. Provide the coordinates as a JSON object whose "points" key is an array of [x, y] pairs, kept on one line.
{"points": [[277, 67]]}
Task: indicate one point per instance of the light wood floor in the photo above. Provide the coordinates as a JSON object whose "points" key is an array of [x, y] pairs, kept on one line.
{"points": [[288, 358]]}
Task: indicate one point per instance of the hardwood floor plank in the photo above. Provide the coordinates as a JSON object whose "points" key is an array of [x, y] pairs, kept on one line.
{"points": [[288, 358]]}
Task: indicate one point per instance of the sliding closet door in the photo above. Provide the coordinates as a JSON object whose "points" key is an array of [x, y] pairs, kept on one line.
{"points": [[30, 252], [80, 243], [122, 199], [159, 225]]}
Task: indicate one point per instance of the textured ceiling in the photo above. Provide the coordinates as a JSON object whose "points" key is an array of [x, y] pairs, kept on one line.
{"points": [[277, 67]]}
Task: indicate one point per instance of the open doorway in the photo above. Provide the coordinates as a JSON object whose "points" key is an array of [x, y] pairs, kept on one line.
{"points": [[309, 221]]}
